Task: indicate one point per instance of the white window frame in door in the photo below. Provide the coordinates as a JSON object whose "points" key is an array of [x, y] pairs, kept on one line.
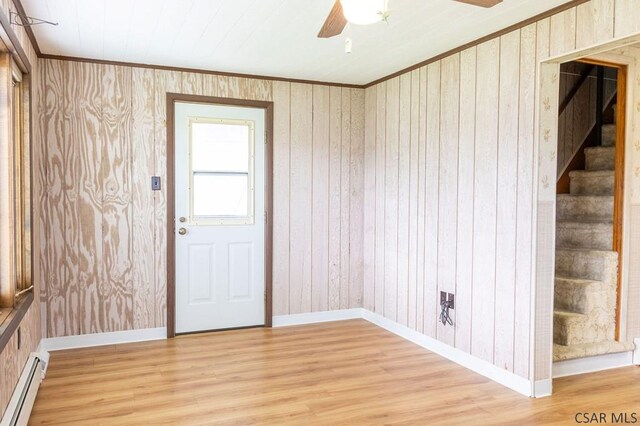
{"points": [[249, 219]]}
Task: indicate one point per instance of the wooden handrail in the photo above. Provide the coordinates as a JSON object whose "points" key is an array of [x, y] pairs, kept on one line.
{"points": [[575, 88]]}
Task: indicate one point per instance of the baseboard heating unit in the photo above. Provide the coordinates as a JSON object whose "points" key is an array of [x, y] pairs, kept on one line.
{"points": [[21, 403]]}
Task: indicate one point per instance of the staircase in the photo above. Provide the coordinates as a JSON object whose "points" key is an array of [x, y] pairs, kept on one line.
{"points": [[586, 270]]}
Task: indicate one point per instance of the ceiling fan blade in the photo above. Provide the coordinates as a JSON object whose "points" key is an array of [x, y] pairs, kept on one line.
{"points": [[481, 3], [335, 22]]}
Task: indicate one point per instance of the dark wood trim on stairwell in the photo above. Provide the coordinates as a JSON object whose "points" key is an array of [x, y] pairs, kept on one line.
{"points": [[583, 77], [516, 26]]}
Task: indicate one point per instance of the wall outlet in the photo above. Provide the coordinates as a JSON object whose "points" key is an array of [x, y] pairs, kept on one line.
{"points": [[443, 297], [451, 298]]}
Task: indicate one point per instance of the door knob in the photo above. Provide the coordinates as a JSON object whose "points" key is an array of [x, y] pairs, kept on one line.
{"points": [[182, 231]]}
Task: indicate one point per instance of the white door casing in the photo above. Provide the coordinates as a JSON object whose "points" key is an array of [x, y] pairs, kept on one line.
{"points": [[219, 217]]}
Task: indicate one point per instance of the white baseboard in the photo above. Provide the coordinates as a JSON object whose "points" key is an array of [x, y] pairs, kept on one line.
{"points": [[542, 388], [484, 368], [636, 352], [101, 339], [590, 364], [316, 317]]}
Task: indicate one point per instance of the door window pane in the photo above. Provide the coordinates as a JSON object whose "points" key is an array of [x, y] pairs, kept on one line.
{"points": [[220, 195], [220, 147]]}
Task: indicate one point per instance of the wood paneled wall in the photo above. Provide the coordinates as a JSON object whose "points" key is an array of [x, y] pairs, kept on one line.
{"points": [[457, 213], [12, 359], [104, 130]]}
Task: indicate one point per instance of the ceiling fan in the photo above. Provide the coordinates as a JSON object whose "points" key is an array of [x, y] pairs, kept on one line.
{"points": [[363, 12]]}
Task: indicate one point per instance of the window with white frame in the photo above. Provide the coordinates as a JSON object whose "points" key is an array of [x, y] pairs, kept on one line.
{"points": [[222, 171]]}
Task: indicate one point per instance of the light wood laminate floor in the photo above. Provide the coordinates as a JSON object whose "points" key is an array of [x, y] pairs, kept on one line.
{"points": [[348, 372]]}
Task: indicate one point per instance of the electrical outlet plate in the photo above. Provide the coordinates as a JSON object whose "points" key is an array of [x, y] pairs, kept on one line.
{"points": [[451, 299], [443, 297], [155, 183]]}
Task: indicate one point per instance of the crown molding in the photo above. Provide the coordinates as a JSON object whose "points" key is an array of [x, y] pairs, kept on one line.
{"points": [[514, 27]]}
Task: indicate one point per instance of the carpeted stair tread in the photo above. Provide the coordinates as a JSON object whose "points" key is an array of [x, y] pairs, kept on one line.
{"points": [[596, 235], [600, 158], [582, 208], [563, 353], [598, 182]]}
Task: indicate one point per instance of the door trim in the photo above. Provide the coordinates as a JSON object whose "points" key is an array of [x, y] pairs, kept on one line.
{"points": [[172, 98]]}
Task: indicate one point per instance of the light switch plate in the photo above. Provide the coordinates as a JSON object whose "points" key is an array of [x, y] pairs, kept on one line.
{"points": [[155, 183]]}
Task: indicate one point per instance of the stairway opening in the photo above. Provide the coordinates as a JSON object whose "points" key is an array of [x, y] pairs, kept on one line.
{"points": [[589, 191]]}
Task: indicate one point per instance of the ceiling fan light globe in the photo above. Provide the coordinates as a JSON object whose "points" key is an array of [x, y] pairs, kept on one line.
{"points": [[364, 12]]}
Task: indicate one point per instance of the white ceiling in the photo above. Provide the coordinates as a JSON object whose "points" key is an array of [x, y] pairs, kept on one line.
{"points": [[266, 37]]}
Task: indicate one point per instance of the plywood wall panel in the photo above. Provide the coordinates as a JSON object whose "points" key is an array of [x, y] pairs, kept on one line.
{"points": [[117, 215], [335, 198], [404, 151], [431, 304], [379, 272], [391, 200], [466, 165], [562, 27], [103, 220], [300, 201], [84, 252], [55, 79], [142, 160], [414, 142], [356, 197], [524, 208], [192, 83], [625, 18], [320, 210], [369, 230], [345, 197], [485, 201], [448, 186], [281, 194], [594, 22], [422, 181], [543, 39], [507, 193]]}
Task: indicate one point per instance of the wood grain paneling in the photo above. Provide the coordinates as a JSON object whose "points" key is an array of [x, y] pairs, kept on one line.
{"points": [[432, 167], [281, 195], [391, 200], [448, 172], [356, 199], [335, 198], [369, 212], [524, 208], [417, 174], [143, 268], [466, 161], [507, 203], [320, 202], [105, 134], [472, 204], [117, 212]]}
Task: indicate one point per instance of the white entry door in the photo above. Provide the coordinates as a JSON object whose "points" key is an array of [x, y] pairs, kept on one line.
{"points": [[220, 222]]}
